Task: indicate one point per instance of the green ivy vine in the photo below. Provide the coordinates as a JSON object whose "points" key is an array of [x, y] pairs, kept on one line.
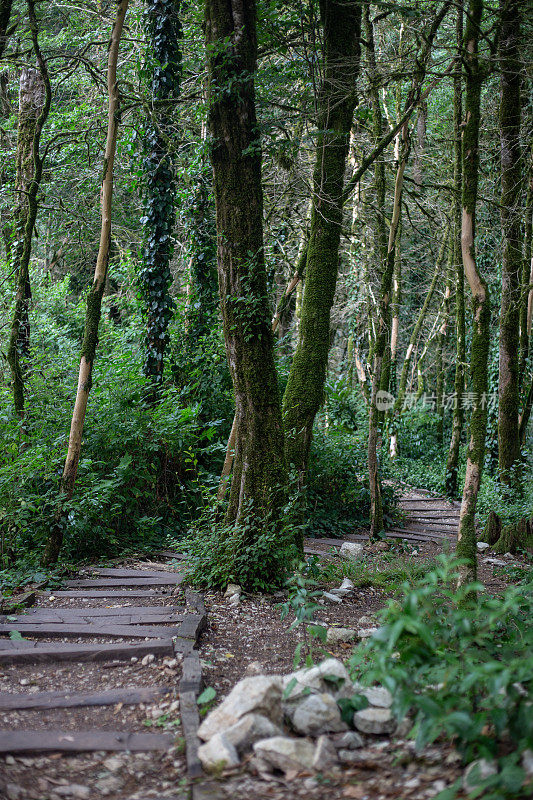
{"points": [[164, 67]]}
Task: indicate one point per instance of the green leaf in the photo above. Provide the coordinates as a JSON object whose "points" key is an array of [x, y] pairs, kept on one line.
{"points": [[206, 696]]}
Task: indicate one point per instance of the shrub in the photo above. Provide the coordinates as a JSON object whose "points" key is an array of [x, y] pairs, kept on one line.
{"points": [[462, 667]]}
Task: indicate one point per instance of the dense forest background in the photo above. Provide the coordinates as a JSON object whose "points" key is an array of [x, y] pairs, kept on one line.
{"points": [[362, 113]]}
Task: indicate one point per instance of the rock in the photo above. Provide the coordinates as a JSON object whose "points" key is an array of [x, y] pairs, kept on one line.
{"points": [[235, 600], [250, 729], [75, 790], [344, 589], [254, 668], [10, 761], [351, 550], [496, 561], [527, 762], [108, 785], [147, 659], [336, 635], [261, 694], [287, 755], [378, 696], [367, 621], [218, 754], [24, 682], [478, 771], [232, 589], [348, 757], [333, 598], [366, 633], [14, 791], [113, 764], [325, 758], [481, 546], [374, 720], [350, 740], [316, 714], [314, 678]]}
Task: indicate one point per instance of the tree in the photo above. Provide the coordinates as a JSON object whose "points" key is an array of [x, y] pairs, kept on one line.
{"points": [[341, 22], [164, 63], [34, 107], [508, 386], [466, 535], [94, 299], [259, 474]]}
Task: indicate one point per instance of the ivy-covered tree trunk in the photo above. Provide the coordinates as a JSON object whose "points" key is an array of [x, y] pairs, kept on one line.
{"points": [[34, 106], [341, 23], [94, 298], [259, 475], [163, 33], [466, 535], [508, 433], [452, 462]]}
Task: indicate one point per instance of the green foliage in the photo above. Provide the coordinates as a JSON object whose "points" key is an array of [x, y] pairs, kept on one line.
{"points": [[302, 602], [256, 555], [338, 496], [462, 669]]}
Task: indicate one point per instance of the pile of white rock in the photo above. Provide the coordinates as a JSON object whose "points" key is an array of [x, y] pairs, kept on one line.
{"points": [[293, 722]]}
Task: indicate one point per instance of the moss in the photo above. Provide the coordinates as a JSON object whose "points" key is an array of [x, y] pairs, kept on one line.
{"points": [[492, 529]]}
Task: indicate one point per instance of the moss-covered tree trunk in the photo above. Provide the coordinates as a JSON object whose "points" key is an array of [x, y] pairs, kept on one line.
{"points": [[526, 299], [94, 298], [508, 432], [466, 535], [259, 474], [341, 22], [452, 461], [34, 106]]}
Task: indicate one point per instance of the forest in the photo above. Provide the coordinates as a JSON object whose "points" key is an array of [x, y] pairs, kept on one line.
{"points": [[267, 284]]}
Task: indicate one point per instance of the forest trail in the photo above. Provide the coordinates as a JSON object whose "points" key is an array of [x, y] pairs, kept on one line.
{"points": [[93, 670], [425, 518]]}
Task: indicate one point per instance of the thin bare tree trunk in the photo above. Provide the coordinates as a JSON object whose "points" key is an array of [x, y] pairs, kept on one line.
{"points": [[94, 299]]}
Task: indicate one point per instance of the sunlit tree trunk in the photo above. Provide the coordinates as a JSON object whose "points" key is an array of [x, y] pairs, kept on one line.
{"points": [[508, 432], [94, 298], [466, 535], [259, 474], [341, 23]]}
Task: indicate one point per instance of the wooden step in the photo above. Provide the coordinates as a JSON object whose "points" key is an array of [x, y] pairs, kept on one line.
{"points": [[132, 695], [133, 573], [111, 594], [129, 615], [102, 583], [49, 741], [26, 652]]}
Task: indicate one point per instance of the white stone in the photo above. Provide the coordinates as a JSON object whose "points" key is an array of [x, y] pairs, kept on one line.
{"points": [[218, 754], [148, 659], [527, 762], [261, 694], [108, 785], [374, 720], [350, 740], [367, 621], [351, 550], [366, 633], [235, 600], [478, 771], [336, 635], [325, 757], [313, 678], [250, 729], [232, 588], [482, 546], [254, 668], [316, 714], [378, 696], [496, 561], [286, 754], [73, 790], [113, 764], [332, 598]]}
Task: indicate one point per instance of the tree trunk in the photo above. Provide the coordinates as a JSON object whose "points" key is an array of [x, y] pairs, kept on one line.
{"points": [[164, 62], [466, 535], [259, 474], [34, 106], [452, 462], [304, 393], [94, 299], [508, 433]]}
